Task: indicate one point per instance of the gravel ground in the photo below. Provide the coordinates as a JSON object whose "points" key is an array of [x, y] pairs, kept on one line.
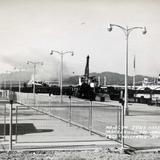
{"points": [[100, 154]]}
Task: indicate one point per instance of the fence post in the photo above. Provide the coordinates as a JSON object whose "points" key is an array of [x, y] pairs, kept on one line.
{"points": [[10, 126], [37, 100], [49, 100], [18, 97], [4, 129], [50, 103], [16, 131], [119, 123], [90, 118], [122, 135], [70, 111]]}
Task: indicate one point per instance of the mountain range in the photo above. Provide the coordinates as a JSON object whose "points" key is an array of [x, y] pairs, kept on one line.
{"points": [[112, 78]]}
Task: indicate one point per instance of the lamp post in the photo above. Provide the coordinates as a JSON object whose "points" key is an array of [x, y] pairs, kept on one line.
{"points": [[19, 69], [34, 72], [61, 71], [126, 32]]}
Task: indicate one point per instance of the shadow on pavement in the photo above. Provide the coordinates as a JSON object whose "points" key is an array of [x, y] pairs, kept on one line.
{"points": [[23, 128]]}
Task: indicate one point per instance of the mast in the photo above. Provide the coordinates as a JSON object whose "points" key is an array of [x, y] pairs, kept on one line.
{"points": [[86, 74]]}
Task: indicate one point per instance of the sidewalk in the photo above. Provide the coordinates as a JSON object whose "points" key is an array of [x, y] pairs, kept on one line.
{"points": [[144, 121]]}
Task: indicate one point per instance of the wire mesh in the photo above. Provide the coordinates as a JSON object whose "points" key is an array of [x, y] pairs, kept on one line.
{"points": [[44, 122]]}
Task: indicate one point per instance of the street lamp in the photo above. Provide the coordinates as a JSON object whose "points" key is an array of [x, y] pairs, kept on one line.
{"points": [[19, 69], [126, 32], [61, 71], [34, 71]]}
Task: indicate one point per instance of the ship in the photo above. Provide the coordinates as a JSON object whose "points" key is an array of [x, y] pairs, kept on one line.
{"points": [[148, 92]]}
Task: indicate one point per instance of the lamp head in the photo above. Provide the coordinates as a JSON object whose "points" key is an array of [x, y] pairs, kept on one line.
{"points": [[144, 30], [109, 28]]}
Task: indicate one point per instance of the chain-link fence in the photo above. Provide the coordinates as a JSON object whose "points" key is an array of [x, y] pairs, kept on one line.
{"points": [[43, 121]]}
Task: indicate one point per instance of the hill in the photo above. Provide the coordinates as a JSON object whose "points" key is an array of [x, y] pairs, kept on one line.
{"points": [[111, 78]]}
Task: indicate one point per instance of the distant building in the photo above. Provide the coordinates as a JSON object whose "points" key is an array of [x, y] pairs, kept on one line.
{"points": [[52, 83]]}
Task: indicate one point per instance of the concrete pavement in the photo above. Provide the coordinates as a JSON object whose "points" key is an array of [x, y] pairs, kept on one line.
{"points": [[38, 130], [41, 129]]}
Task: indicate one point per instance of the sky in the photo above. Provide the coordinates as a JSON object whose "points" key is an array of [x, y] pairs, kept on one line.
{"points": [[29, 29]]}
